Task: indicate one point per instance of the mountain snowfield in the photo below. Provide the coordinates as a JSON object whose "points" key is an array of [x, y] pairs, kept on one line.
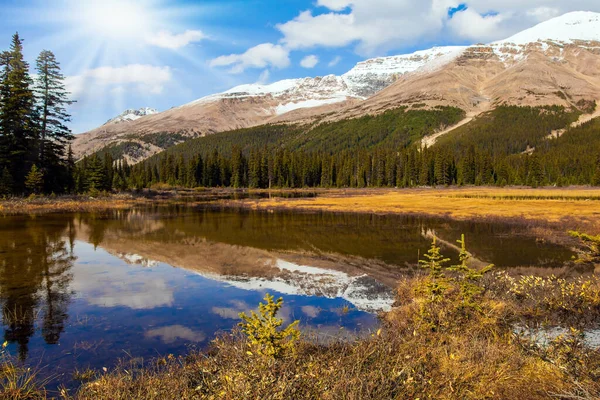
{"points": [[556, 62], [132, 115], [568, 28]]}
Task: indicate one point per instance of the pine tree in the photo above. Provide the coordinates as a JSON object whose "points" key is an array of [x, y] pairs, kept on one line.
{"points": [[54, 135], [34, 181], [95, 174], [4, 93], [237, 172], [17, 114], [70, 169], [596, 176]]}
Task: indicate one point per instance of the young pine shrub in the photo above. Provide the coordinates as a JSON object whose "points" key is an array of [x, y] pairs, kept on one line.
{"points": [[446, 302], [436, 284], [469, 279], [263, 329]]}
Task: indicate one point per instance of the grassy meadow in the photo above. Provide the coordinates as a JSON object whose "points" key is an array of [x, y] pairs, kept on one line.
{"points": [[549, 204]]}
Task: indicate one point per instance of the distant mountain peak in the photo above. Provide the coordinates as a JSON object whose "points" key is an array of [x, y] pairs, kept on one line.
{"points": [[573, 26], [132, 115]]}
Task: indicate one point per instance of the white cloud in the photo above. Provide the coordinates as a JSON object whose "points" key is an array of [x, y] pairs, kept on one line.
{"points": [[543, 13], [311, 311], [173, 41], [309, 61], [329, 30], [139, 77], [374, 25], [261, 56], [173, 333], [104, 286], [470, 24], [336, 60], [378, 26]]}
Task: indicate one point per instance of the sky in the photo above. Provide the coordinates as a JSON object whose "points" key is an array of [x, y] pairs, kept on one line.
{"points": [[121, 54]]}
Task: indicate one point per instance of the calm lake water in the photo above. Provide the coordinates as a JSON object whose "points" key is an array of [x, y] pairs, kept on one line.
{"points": [[86, 290]]}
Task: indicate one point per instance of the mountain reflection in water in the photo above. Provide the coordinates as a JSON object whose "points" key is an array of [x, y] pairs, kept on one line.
{"points": [[85, 290]]}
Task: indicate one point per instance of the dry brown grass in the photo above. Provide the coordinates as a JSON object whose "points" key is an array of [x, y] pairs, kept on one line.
{"points": [[48, 205], [551, 205]]}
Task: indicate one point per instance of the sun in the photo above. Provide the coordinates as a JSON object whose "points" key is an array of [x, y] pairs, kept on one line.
{"points": [[114, 19]]}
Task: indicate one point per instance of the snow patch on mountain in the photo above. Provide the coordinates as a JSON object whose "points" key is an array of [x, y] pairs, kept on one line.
{"points": [[132, 115], [568, 28], [369, 77], [297, 105]]}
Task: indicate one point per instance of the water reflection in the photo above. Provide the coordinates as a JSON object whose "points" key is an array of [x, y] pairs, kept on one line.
{"points": [[153, 281], [172, 333], [109, 287], [35, 277]]}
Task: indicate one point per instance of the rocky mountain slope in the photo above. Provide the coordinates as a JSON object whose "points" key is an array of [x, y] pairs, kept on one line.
{"points": [[554, 63]]}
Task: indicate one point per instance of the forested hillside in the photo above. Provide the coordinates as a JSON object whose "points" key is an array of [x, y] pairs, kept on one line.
{"points": [[508, 146]]}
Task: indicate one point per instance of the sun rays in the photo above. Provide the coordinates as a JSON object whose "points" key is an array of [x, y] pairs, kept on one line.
{"points": [[108, 40]]}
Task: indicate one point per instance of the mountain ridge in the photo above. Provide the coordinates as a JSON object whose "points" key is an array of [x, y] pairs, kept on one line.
{"points": [[556, 68]]}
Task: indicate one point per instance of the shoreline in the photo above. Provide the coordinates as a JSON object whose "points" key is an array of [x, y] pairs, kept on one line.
{"points": [[574, 206]]}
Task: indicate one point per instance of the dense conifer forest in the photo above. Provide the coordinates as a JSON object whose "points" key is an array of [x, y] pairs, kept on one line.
{"points": [[508, 146]]}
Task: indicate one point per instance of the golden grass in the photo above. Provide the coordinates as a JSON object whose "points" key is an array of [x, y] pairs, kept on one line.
{"points": [[47, 205], [551, 205]]}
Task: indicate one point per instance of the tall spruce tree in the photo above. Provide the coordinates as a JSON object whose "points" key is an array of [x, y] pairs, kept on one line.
{"points": [[17, 114], [54, 135], [4, 93]]}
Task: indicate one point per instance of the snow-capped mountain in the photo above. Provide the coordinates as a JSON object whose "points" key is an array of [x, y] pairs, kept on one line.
{"points": [[132, 115], [554, 63], [579, 26], [362, 291], [371, 76], [361, 82], [289, 94]]}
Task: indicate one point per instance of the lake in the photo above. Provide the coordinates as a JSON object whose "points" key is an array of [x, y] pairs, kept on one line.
{"points": [[85, 290]]}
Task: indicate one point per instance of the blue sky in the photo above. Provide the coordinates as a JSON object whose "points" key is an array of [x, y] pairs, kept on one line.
{"points": [[120, 54]]}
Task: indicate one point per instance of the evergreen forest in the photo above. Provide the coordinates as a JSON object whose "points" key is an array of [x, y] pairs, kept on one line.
{"points": [[35, 153], [508, 146]]}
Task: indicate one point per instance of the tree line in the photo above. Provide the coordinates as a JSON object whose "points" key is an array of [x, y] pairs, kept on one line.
{"points": [[35, 154], [270, 167], [492, 150]]}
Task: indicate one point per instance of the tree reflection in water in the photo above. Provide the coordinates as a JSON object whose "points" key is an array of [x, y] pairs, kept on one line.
{"points": [[35, 274]]}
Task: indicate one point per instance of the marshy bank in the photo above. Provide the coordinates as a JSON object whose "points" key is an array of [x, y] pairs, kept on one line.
{"points": [[574, 206]]}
